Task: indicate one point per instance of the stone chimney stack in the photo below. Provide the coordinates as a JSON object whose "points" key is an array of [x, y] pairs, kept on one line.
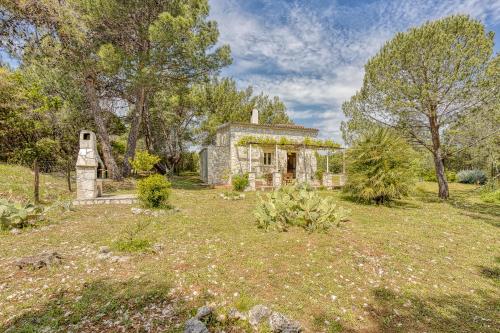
{"points": [[255, 116]]}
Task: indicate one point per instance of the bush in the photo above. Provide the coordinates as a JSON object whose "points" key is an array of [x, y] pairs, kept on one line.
{"points": [[491, 197], [14, 215], [471, 177], [294, 206], [154, 191], [240, 182], [144, 161], [381, 167]]}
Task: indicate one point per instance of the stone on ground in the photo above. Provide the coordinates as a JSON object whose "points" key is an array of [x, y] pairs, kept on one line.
{"points": [[194, 325], [281, 324], [257, 314], [39, 261], [203, 312]]}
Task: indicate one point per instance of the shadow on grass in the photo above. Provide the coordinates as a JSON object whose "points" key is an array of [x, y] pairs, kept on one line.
{"points": [[188, 181], [461, 199], [104, 306], [389, 204], [454, 313]]}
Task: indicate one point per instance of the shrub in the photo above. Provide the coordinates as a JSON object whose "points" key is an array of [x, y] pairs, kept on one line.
{"points": [[381, 167], [13, 215], [144, 161], [154, 191], [240, 182], [491, 197], [294, 206], [471, 177]]}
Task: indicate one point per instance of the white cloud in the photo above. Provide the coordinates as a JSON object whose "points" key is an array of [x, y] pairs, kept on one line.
{"points": [[310, 56]]}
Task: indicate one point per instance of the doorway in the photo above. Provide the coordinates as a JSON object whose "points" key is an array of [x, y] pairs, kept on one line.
{"points": [[291, 164]]}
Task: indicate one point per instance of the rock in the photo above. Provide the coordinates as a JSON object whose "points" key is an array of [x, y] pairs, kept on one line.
{"points": [[104, 249], [257, 314], [193, 325], [158, 247], [136, 210], [15, 231], [104, 256], [203, 312], [236, 315], [281, 324], [39, 261], [119, 259]]}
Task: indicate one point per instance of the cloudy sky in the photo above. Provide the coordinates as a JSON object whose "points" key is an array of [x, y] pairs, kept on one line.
{"points": [[311, 53]]}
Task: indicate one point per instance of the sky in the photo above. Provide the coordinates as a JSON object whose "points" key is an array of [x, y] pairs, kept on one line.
{"points": [[311, 53]]}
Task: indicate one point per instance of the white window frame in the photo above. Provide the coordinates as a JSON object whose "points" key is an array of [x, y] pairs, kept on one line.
{"points": [[268, 158]]}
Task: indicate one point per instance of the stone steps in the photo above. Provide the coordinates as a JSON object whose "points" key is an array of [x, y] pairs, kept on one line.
{"points": [[123, 199]]}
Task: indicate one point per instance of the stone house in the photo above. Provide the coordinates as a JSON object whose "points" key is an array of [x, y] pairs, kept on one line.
{"points": [[278, 154]]}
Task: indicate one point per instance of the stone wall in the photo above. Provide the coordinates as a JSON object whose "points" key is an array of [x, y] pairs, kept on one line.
{"points": [[306, 159], [86, 178]]}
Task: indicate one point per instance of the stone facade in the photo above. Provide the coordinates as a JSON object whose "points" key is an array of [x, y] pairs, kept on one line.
{"points": [[225, 158]]}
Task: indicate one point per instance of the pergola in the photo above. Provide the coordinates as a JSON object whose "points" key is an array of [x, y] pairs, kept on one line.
{"points": [[316, 146]]}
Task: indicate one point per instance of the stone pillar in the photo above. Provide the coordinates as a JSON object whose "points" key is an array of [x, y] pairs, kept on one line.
{"points": [[251, 181], [343, 179], [86, 167], [327, 180], [276, 179]]}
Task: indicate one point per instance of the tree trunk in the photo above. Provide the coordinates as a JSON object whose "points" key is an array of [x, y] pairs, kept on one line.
{"points": [[133, 134], [102, 131], [36, 192], [438, 160], [68, 175]]}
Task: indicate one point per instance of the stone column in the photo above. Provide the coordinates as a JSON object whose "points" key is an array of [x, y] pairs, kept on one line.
{"points": [[251, 181], [343, 179], [276, 180], [327, 180]]}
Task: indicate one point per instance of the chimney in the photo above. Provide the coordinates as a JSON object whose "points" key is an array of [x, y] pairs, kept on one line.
{"points": [[255, 116]]}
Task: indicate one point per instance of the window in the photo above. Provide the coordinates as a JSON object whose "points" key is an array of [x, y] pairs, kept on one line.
{"points": [[267, 158], [86, 136]]}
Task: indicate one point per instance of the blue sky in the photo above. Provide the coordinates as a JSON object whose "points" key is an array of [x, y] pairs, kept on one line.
{"points": [[311, 53]]}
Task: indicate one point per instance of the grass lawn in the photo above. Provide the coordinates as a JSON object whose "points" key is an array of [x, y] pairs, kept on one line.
{"points": [[421, 265]]}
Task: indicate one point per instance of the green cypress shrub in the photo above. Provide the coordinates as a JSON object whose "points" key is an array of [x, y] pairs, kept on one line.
{"points": [[380, 167], [153, 191]]}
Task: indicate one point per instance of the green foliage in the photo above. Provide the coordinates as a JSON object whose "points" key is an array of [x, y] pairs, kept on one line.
{"points": [[133, 239], [426, 80], [491, 197], [132, 245], [144, 161], [283, 141], [296, 206], [154, 191], [220, 101], [240, 182], [471, 177], [14, 215], [429, 175], [380, 167]]}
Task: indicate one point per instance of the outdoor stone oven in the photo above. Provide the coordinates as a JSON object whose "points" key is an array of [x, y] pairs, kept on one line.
{"points": [[88, 163]]}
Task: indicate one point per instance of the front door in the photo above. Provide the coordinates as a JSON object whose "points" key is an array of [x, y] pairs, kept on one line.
{"points": [[291, 163]]}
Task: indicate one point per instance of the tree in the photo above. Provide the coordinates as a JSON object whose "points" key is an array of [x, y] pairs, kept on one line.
{"points": [[220, 101], [145, 45], [424, 81], [54, 32], [380, 167]]}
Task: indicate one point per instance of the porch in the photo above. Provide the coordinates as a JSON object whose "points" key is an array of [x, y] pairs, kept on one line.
{"points": [[282, 164]]}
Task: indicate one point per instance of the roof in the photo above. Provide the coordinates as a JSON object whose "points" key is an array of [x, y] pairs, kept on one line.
{"points": [[274, 126]]}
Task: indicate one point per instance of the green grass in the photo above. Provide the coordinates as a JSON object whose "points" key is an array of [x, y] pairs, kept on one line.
{"points": [[417, 265]]}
